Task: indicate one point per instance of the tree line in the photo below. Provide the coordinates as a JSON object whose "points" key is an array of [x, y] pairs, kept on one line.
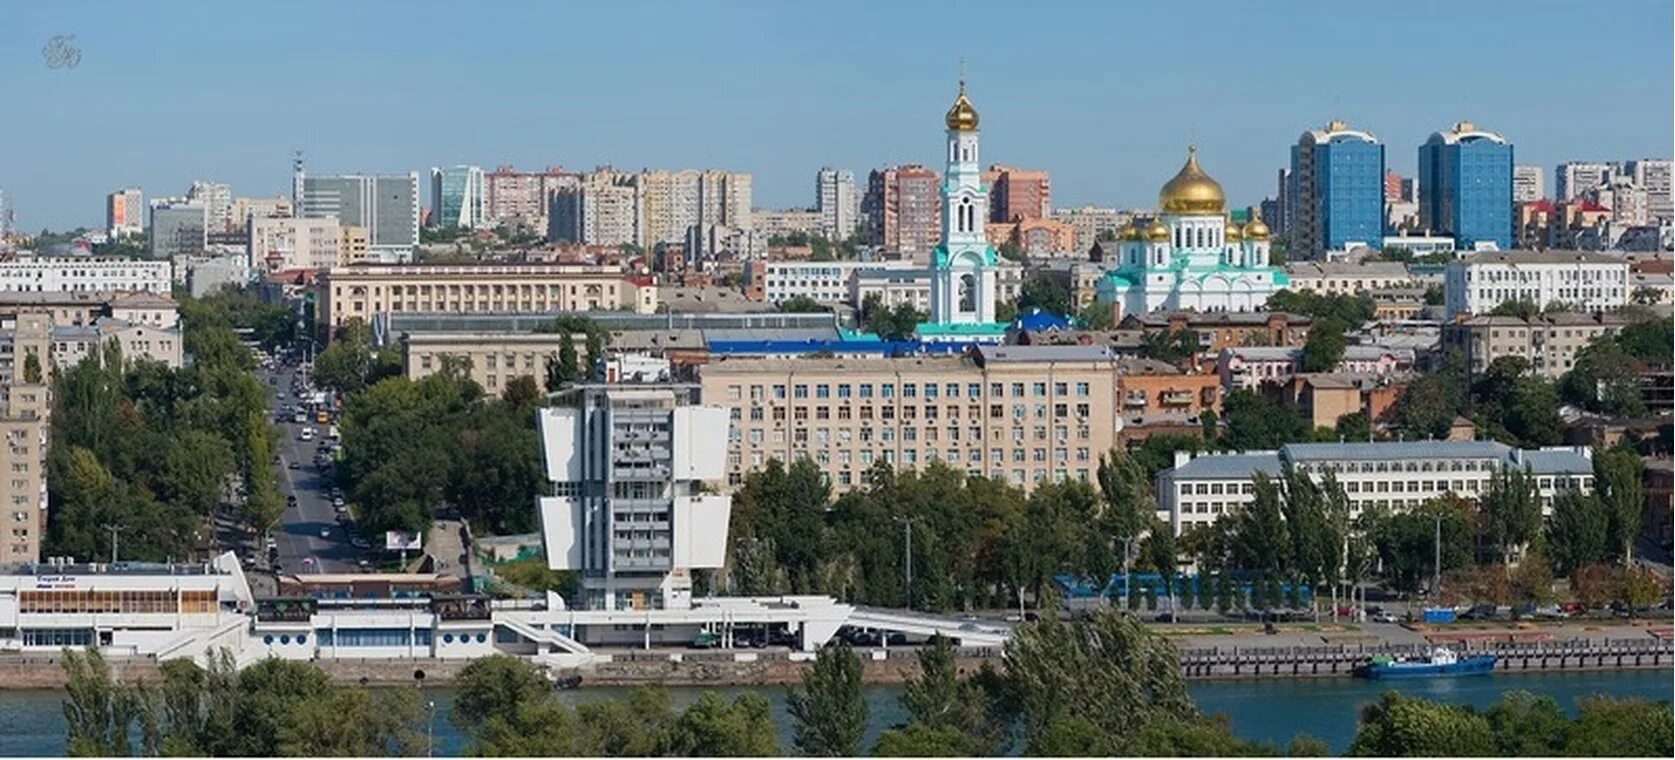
{"points": [[151, 451], [1104, 687]]}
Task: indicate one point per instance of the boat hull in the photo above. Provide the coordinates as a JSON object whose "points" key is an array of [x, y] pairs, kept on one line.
{"points": [[1465, 666]]}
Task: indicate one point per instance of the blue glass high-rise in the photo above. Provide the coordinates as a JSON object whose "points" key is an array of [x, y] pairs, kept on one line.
{"points": [[1336, 191], [1465, 186]]}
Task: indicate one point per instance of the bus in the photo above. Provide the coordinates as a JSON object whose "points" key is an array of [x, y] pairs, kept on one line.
{"points": [[322, 417]]}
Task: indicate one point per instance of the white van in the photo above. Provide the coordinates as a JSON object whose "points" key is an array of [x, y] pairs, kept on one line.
{"points": [[307, 434]]}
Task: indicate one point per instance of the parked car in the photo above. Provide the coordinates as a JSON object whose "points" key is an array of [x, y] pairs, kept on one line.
{"points": [[1383, 617], [325, 532], [292, 466], [706, 640]]}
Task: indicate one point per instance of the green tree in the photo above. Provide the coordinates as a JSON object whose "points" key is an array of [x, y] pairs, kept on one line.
{"points": [[714, 727], [1520, 309], [1428, 405], [31, 368], [196, 469], [947, 715], [1354, 426], [99, 712], [1398, 726], [1324, 348], [495, 685], [801, 305], [1095, 316], [828, 711], [1527, 725], [1619, 727], [1511, 513], [1044, 292], [1256, 422], [1406, 541], [1618, 481]]}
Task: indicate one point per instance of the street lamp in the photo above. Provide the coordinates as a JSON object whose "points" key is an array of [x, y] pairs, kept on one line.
{"points": [[907, 567]]}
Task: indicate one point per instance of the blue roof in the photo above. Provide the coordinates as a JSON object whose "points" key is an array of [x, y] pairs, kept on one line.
{"points": [[1037, 320], [1229, 465], [1566, 462], [1305, 452]]}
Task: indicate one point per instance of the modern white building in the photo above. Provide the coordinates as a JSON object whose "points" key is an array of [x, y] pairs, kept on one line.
{"points": [[913, 286], [178, 228], [1528, 183], [1386, 476], [837, 202], [217, 200], [823, 281], [386, 206], [1479, 282], [76, 274], [1653, 176], [1576, 178]]}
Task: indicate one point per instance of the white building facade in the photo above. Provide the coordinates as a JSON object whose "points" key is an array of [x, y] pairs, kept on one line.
{"points": [[1581, 281], [823, 281], [1386, 476], [283, 244], [836, 201], [74, 274]]}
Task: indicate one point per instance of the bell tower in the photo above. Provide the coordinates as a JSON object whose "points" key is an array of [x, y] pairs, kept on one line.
{"points": [[963, 280]]}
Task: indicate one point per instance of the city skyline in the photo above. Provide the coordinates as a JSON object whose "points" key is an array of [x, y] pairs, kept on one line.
{"points": [[779, 108]]}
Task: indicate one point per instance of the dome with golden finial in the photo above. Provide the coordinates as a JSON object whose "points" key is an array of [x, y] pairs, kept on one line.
{"points": [[962, 116], [1232, 230], [1157, 233], [1191, 191], [1132, 231], [1256, 230]]}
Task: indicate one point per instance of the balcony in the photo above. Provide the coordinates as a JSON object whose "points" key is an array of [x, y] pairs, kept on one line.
{"points": [[1134, 399], [1177, 398]]}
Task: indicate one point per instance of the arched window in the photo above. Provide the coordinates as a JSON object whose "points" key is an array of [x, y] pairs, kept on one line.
{"points": [[968, 293]]}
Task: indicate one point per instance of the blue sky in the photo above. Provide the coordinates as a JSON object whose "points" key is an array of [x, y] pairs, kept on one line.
{"points": [[1105, 95]]}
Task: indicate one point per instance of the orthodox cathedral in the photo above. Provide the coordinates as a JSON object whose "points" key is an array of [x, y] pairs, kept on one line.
{"points": [[1193, 256], [963, 276]]}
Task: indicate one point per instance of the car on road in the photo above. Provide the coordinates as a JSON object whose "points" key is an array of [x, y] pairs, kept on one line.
{"points": [[325, 532], [1383, 617], [292, 465], [338, 502], [307, 434]]}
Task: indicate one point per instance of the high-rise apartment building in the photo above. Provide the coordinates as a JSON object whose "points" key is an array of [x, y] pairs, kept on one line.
{"points": [[1284, 200], [627, 507], [1528, 183], [217, 200], [1392, 187], [672, 204], [903, 205], [1339, 191], [1653, 176], [1018, 194], [1574, 178], [24, 407], [838, 203], [605, 208], [245, 209], [125, 213], [1465, 187], [387, 206], [457, 198], [1091, 222], [178, 228], [525, 198]]}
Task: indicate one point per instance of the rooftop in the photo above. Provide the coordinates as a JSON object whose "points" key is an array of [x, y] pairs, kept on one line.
{"points": [[1036, 353], [1346, 269], [1536, 257]]}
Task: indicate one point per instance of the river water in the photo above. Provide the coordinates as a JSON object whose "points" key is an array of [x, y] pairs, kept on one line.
{"points": [[32, 722]]}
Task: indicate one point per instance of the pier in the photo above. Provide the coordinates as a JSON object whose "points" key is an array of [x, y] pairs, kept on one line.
{"points": [[1342, 659]]}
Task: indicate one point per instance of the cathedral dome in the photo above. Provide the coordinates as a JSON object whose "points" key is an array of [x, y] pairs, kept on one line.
{"points": [[962, 116], [1133, 231], [1256, 230], [1157, 233], [1232, 231], [1191, 191]]}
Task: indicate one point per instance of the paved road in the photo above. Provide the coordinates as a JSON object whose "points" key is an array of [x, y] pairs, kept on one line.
{"points": [[299, 536]]}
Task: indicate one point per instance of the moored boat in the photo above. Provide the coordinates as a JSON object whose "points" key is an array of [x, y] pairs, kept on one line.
{"points": [[1440, 662]]}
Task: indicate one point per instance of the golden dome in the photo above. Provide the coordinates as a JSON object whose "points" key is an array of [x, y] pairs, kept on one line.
{"points": [[1232, 230], [1157, 233], [1256, 230], [961, 116], [1191, 191], [1132, 231]]}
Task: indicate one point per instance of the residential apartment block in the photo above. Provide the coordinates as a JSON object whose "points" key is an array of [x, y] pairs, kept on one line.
{"points": [[1252, 367], [524, 199], [1385, 476], [125, 213], [23, 486], [904, 206], [493, 359], [1018, 194], [1581, 281], [1025, 414], [368, 290], [1090, 222], [283, 244], [837, 201], [1549, 342], [1344, 278], [72, 274]]}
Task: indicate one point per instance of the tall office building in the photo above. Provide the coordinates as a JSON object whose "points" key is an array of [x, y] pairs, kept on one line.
{"points": [[525, 198], [627, 508], [903, 205], [386, 206], [178, 228], [1574, 178], [1339, 191], [217, 200], [836, 200], [1652, 175], [457, 198], [1283, 201], [1528, 183], [125, 213], [1465, 187]]}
